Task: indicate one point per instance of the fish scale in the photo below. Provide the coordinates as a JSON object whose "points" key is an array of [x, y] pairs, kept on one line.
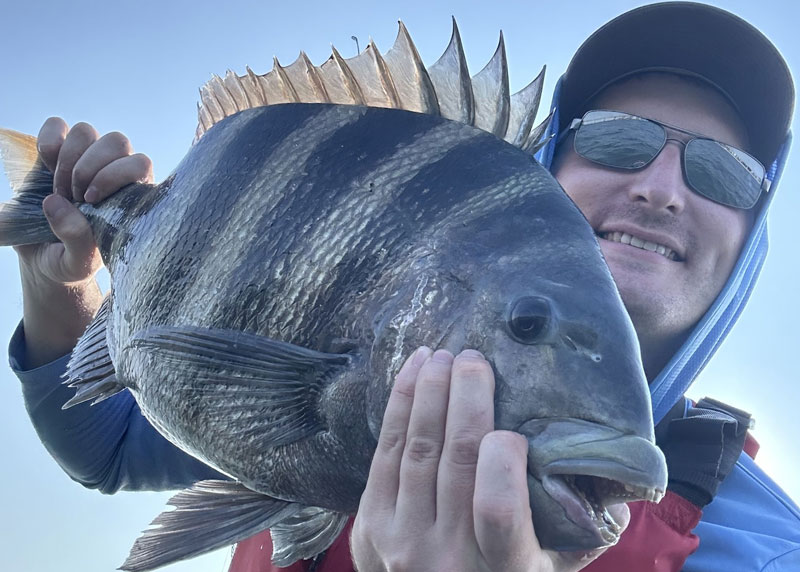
{"points": [[252, 214], [389, 177]]}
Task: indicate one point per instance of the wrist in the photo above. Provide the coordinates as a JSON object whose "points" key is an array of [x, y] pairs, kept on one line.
{"points": [[55, 315]]}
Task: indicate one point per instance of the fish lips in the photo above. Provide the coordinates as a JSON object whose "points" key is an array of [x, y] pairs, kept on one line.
{"points": [[578, 468]]}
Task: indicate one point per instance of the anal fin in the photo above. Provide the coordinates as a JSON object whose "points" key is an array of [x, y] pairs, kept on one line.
{"points": [[209, 515]]}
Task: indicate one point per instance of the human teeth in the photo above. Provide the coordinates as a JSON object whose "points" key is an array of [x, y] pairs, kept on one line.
{"points": [[625, 238]]}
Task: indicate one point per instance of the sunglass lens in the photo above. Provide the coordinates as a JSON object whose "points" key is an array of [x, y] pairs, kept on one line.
{"points": [[618, 140], [723, 174]]}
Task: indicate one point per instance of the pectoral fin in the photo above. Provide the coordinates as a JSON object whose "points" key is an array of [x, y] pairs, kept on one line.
{"points": [[251, 384], [305, 534]]}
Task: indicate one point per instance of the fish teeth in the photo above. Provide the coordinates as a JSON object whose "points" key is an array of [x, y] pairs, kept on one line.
{"points": [[625, 238], [602, 492]]}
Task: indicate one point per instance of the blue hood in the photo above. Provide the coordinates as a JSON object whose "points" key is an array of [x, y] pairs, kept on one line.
{"points": [[711, 330]]}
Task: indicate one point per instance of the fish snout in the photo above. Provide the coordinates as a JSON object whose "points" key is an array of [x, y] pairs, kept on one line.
{"points": [[577, 470]]}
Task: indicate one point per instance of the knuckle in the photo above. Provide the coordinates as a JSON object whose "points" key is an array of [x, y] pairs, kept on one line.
{"points": [[401, 561], [403, 388], [462, 450], [53, 122], [108, 181], [76, 228], [422, 449], [81, 175], [500, 512], [83, 130], [117, 141], [435, 377], [49, 146], [361, 533], [390, 441], [473, 369], [143, 162]]}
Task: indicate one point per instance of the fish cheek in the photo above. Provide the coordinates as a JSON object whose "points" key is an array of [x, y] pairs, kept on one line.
{"points": [[524, 375]]}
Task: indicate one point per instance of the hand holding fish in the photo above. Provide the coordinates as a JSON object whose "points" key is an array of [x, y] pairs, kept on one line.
{"points": [[60, 295], [446, 491], [86, 166]]}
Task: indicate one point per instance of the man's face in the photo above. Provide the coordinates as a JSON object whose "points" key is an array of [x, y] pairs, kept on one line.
{"points": [[664, 296]]}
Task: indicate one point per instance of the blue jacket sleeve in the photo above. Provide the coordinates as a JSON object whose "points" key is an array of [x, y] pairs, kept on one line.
{"points": [[109, 446], [785, 563]]}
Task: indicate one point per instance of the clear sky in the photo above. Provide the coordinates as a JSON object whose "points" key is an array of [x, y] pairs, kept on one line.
{"points": [[136, 67]]}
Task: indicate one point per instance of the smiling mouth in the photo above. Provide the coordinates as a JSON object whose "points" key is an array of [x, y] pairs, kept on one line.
{"points": [[636, 242]]}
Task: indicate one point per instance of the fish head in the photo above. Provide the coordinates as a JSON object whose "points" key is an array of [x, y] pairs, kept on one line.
{"points": [[505, 263], [543, 308]]}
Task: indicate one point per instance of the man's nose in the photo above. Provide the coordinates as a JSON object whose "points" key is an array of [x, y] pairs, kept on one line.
{"points": [[661, 185]]}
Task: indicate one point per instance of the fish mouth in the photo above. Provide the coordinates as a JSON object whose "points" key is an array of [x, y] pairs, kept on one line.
{"points": [[577, 469], [586, 498]]}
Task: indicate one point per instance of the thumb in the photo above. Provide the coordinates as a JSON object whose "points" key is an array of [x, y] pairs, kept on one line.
{"points": [[80, 258]]}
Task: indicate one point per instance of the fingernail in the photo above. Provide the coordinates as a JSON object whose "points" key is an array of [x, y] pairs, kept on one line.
{"points": [[471, 353], [53, 207], [442, 356], [420, 356], [91, 195]]}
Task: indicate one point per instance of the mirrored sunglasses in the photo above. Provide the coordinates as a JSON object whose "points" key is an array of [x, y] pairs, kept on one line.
{"points": [[715, 170]]}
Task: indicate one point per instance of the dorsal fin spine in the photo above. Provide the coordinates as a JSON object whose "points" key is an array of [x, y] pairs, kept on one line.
{"points": [[397, 79], [210, 103], [524, 107], [430, 103], [286, 84], [348, 79], [257, 86], [315, 79], [236, 89], [384, 76], [224, 97], [451, 80]]}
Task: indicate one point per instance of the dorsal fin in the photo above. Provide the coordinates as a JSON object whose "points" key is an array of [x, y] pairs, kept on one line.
{"points": [[450, 77], [492, 94], [397, 79]]}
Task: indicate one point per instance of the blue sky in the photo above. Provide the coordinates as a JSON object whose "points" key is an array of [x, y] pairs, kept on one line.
{"points": [[136, 68]]}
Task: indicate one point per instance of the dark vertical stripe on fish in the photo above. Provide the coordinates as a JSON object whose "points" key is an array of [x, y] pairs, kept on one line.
{"points": [[457, 176], [257, 134], [338, 167]]}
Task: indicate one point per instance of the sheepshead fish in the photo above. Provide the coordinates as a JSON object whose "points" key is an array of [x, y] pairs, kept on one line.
{"points": [[265, 294]]}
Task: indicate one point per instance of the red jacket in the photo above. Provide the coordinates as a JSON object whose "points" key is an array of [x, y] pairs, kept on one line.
{"points": [[658, 539]]}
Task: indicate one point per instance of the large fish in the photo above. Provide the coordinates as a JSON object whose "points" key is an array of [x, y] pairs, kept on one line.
{"points": [[264, 296]]}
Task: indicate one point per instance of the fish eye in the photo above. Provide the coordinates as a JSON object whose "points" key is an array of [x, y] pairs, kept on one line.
{"points": [[529, 319]]}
